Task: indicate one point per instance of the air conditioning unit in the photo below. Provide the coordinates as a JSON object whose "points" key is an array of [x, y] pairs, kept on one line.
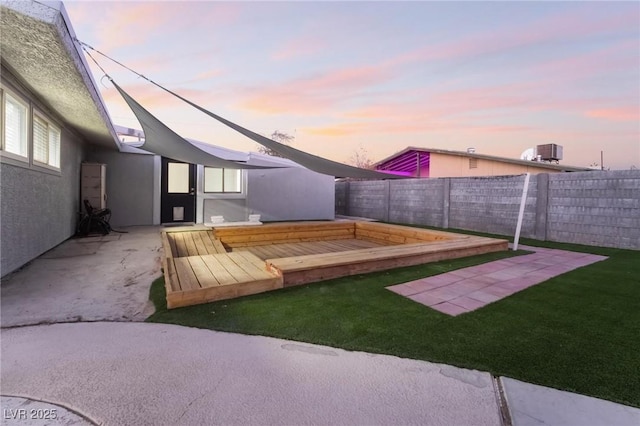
{"points": [[549, 152]]}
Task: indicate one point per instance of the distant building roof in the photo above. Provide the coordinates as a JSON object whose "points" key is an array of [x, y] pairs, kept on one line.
{"points": [[397, 161]]}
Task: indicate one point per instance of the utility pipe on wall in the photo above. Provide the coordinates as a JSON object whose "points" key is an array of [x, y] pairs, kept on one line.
{"points": [[523, 200]]}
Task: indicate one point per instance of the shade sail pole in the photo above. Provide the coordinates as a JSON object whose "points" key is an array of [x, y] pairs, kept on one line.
{"points": [[523, 201]]}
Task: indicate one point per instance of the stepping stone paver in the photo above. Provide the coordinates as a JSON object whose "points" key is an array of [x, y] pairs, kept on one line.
{"points": [[465, 290]]}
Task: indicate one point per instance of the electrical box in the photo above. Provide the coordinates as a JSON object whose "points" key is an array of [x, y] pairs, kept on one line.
{"points": [[93, 185], [549, 152]]}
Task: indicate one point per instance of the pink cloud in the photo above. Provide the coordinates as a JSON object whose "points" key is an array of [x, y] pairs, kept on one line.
{"points": [[299, 47], [630, 113], [316, 93], [153, 98], [571, 25], [619, 56], [138, 23], [338, 130]]}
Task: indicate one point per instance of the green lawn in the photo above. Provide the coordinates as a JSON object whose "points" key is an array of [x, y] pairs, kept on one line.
{"points": [[578, 332]]}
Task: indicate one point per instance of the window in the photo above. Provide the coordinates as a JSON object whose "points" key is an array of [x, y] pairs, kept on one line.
{"points": [[222, 180], [29, 138], [178, 178], [14, 125], [46, 142], [473, 163]]}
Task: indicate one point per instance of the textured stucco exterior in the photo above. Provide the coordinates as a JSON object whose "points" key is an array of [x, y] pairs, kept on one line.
{"points": [[42, 65], [290, 194], [233, 210], [131, 187], [38, 209], [38, 44]]}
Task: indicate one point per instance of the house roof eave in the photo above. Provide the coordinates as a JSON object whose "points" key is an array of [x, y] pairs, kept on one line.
{"points": [[38, 44]]}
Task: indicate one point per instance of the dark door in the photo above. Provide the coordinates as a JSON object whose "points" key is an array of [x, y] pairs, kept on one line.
{"points": [[178, 192]]}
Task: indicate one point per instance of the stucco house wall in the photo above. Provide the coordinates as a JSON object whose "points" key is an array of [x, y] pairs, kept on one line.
{"points": [[442, 165], [290, 194], [132, 187], [38, 207], [44, 68]]}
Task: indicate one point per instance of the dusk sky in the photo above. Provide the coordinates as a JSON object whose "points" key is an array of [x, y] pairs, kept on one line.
{"points": [[499, 77]]}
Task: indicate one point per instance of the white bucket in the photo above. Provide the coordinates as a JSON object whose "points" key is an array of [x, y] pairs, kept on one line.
{"points": [[217, 219]]}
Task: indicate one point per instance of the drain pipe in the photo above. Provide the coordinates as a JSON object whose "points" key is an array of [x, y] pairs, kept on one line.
{"points": [[516, 238]]}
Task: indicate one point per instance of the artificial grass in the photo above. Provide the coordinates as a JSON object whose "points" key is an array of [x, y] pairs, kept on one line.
{"points": [[578, 332]]}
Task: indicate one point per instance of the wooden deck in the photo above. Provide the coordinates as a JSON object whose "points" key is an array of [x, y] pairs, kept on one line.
{"points": [[270, 251], [311, 268], [198, 269], [204, 265]]}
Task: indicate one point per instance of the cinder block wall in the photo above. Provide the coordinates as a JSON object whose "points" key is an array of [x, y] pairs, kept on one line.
{"points": [[417, 201], [592, 208], [601, 208], [369, 199], [492, 204]]}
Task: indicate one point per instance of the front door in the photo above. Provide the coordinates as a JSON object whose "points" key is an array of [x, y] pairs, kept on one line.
{"points": [[178, 188]]}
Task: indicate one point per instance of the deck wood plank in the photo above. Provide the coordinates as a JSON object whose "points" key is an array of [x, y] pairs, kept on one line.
{"points": [[308, 248], [223, 275], [219, 246], [283, 228], [166, 245], [251, 264], [232, 267], [203, 274], [172, 276], [262, 252], [208, 244], [375, 253], [201, 249], [172, 244], [298, 249], [190, 244], [328, 247], [211, 294], [188, 279], [181, 248]]}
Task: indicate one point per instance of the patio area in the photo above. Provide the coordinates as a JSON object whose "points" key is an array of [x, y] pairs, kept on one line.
{"points": [[101, 278]]}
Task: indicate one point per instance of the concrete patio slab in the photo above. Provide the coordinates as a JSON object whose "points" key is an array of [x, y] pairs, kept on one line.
{"points": [[86, 279], [160, 374], [533, 405]]}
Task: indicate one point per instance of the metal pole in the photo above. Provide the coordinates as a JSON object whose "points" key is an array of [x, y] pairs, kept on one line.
{"points": [[521, 213], [601, 160]]}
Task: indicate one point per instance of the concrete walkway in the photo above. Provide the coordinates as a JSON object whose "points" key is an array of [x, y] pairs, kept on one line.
{"points": [[159, 374], [467, 289]]}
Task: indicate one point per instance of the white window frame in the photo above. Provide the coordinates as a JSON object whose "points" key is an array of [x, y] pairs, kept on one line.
{"points": [[51, 126], [4, 91], [33, 112], [204, 181]]}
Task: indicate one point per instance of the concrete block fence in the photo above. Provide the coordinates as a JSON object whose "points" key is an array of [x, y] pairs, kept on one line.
{"points": [[593, 208]]}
